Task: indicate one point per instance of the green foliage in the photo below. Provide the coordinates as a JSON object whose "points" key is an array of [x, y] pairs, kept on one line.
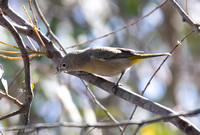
{"points": [[130, 7], [54, 23]]}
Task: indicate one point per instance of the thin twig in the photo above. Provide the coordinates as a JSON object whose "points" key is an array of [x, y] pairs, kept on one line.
{"points": [[187, 11], [17, 102], [29, 2], [104, 119], [11, 114], [148, 83], [31, 43], [159, 6], [100, 105], [35, 29], [47, 25], [185, 17], [17, 74], [101, 124], [124, 27], [178, 43]]}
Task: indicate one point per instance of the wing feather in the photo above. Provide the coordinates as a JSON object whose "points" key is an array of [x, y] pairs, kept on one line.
{"points": [[106, 53]]}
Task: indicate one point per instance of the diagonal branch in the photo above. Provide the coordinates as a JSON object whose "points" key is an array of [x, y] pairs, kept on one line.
{"points": [[140, 101], [26, 28], [17, 102], [186, 18], [47, 25], [101, 106], [11, 114], [148, 83]]}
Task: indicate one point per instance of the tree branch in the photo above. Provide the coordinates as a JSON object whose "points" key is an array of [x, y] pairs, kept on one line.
{"points": [[29, 94], [185, 17], [11, 114], [101, 106], [140, 101], [100, 124], [47, 25], [17, 102], [26, 28]]}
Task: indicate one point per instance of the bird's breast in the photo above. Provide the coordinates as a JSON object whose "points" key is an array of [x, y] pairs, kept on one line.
{"points": [[107, 67]]}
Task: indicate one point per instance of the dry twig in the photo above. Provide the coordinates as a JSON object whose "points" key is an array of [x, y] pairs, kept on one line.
{"points": [[101, 106]]}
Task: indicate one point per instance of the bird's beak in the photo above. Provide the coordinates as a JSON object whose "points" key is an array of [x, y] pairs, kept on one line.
{"points": [[58, 72]]}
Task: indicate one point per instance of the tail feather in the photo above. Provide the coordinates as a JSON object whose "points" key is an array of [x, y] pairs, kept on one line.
{"points": [[143, 56], [139, 57]]}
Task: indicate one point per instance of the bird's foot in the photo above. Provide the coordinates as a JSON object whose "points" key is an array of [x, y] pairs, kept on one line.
{"points": [[115, 87]]}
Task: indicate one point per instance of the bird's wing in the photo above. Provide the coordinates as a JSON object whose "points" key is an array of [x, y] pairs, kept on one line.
{"points": [[107, 53], [130, 51]]}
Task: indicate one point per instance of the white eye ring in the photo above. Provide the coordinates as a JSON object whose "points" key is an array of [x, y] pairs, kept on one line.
{"points": [[64, 65]]}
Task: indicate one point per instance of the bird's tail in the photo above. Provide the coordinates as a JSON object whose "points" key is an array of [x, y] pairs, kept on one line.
{"points": [[139, 57]]}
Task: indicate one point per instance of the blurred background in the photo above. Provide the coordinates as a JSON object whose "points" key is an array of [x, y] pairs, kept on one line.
{"points": [[64, 98]]}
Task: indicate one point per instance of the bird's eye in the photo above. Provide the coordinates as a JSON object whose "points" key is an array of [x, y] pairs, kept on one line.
{"points": [[63, 65]]}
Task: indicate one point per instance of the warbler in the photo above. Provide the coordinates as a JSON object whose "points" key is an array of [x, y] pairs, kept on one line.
{"points": [[105, 61]]}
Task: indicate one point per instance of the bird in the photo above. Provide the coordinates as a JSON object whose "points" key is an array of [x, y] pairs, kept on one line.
{"points": [[104, 61]]}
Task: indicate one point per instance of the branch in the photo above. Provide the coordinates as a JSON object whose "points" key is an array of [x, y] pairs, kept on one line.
{"points": [[122, 28], [26, 28], [192, 113], [9, 12], [47, 25], [138, 100], [17, 102], [185, 17], [101, 106], [148, 83], [100, 124], [11, 114], [29, 94]]}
